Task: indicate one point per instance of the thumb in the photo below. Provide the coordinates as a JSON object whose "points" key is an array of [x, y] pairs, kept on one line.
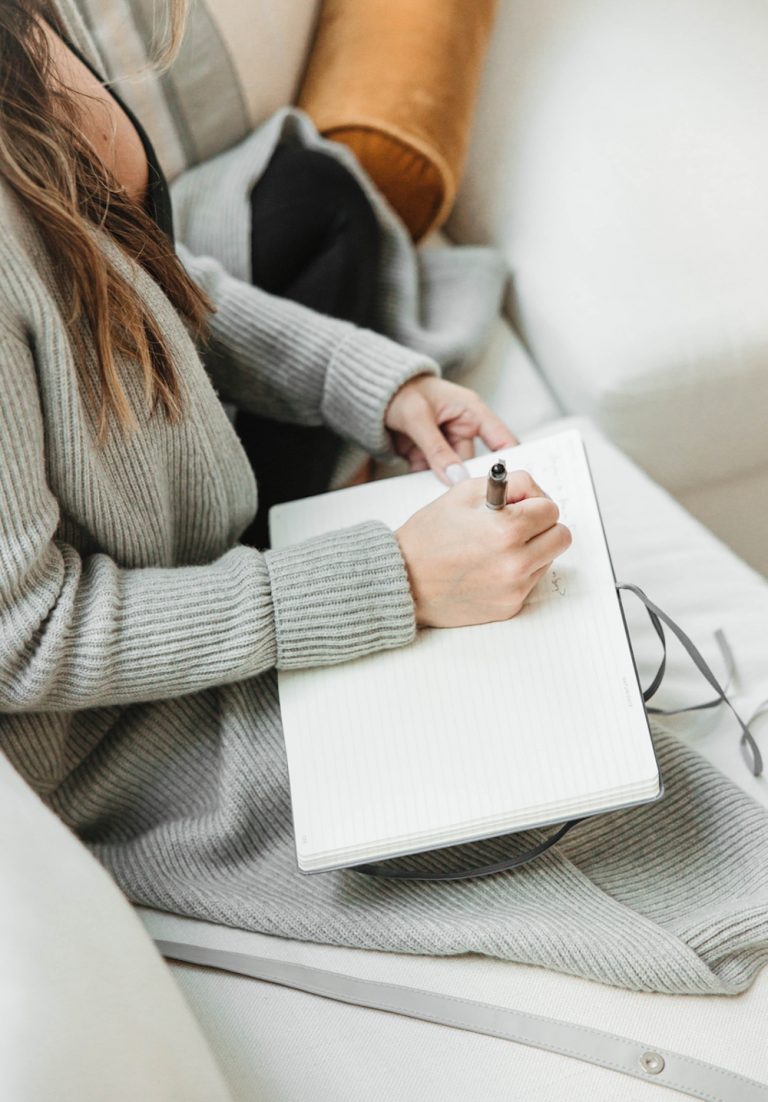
{"points": [[444, 461]]}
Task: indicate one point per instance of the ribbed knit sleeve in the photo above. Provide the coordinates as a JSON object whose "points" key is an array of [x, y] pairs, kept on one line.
{"points": [[284, 361], [340, 596], [81, 631]]}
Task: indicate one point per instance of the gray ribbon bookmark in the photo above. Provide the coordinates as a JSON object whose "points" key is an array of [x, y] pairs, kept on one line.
{"points": [[658, 616]]}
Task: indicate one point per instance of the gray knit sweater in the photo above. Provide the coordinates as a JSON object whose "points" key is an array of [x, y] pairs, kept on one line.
{"points": [[139, 642]]}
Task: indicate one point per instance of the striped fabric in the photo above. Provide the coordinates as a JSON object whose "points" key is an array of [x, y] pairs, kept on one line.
{"points": [[239, 63]]}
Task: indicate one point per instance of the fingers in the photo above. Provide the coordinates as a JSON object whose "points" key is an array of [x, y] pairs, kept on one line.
{"points": [[537, 574], [542, 549], [442, 420], [465, 448], [522, 492], [529, 526], [533, 580], [441, 457], [405, 447], [494, 433], [520, 485], [535, 515]]}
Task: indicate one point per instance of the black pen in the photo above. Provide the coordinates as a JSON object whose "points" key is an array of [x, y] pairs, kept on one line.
{"points": [[496, 491]]}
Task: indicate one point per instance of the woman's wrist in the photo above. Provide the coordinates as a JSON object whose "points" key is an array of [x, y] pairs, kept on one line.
{"points": [[340, 596], [365, 373]]}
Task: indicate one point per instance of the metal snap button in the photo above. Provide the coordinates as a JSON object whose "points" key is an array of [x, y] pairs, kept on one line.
{"points": [[652, 1062]]}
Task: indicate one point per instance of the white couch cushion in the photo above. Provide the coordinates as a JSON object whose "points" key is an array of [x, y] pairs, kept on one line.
{"points": [[88, 1012], [506, 378], [619, 160]]}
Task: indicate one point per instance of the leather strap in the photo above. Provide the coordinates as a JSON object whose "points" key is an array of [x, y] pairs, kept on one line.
{"points": [[639, 1059]]}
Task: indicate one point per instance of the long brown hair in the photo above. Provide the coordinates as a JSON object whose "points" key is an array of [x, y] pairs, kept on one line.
{"points": [[66, 190]]}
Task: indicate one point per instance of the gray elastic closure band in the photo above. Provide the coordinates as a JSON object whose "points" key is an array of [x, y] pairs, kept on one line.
{"points": [[476, 871], [593, 1046]]}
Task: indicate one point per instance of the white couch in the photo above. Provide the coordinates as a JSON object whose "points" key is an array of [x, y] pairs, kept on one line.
{"points": [[619, 160], [89, 1012]]}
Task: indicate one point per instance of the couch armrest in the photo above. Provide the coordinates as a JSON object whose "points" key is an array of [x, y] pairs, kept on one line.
{"points": [[88, 1009]]}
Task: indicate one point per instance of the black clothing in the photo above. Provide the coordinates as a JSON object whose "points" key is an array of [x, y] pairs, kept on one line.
{"points": [[315, 240], [314, 236]]}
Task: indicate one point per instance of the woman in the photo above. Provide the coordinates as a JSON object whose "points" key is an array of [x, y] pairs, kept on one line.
{"points": [[138, 639]]}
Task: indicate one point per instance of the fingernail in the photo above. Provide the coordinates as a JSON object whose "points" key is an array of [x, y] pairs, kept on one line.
{"points": [[456, 472]]}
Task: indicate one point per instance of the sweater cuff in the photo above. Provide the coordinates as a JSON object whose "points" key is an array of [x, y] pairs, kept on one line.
{"points": [[364, 373], [340, 596]]}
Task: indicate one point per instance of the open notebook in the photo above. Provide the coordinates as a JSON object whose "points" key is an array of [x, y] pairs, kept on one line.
{"points": [[469, 732]]}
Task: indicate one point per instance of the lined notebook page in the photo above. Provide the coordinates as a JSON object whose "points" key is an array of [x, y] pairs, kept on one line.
{"points": [[470, 731]]}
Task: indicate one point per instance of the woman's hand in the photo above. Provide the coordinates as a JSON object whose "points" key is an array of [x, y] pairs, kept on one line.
{"points": [[468, 564], [434, 424]]}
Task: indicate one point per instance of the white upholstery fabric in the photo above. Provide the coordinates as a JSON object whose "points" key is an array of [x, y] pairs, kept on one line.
{"points": [[88, 1012], [289, 1045], [268, 45], [506, 376], [618, 159], [509, 382], [292, 1047]]}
